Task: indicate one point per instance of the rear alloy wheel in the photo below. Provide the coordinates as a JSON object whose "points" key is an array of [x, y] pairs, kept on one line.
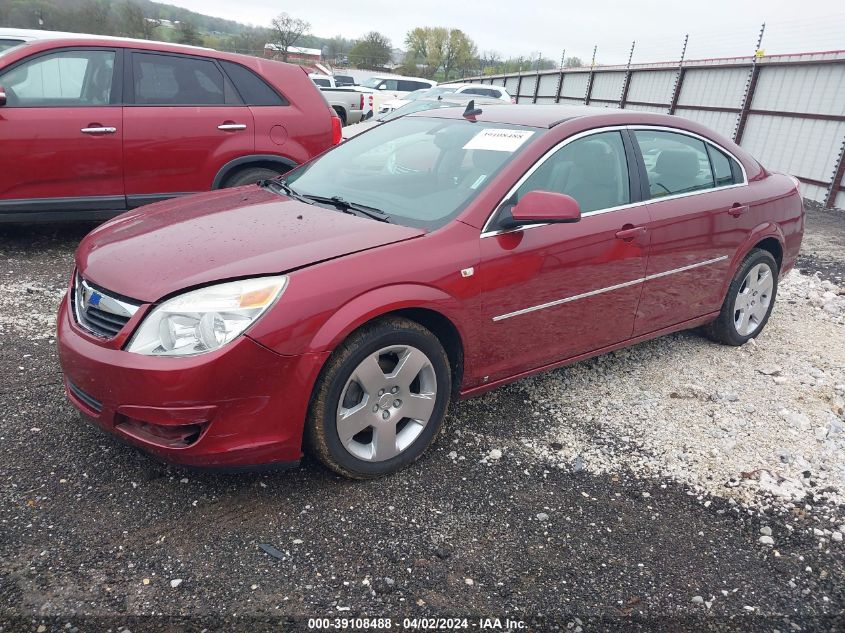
{"points": [[380, 401], [749, 301]]}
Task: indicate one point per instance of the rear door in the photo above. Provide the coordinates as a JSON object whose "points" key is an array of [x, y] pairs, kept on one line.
{"points": [[183, 121], [701, 212], [61, 131]]}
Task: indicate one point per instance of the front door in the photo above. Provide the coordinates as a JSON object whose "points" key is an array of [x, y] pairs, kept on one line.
{"points": [[183, 122], [556, 291], [61, 134]]}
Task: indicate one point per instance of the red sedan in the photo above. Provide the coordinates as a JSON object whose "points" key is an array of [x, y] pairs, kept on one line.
{"points": [[432, 258]]}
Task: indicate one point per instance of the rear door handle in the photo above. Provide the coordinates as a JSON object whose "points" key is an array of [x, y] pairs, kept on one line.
{"points": [[230, 127], [738, 209], [98, 129], [629, 234]]}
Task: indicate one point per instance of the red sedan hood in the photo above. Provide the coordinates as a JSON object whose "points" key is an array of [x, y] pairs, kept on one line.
{"points": [[154, 251]]}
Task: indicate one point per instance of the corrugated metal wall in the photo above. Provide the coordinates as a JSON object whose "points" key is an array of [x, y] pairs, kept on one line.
{"points": [[788, 110]]}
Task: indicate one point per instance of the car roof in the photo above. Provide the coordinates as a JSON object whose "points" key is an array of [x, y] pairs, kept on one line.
{"points": [[107, 40], [548, 116]]}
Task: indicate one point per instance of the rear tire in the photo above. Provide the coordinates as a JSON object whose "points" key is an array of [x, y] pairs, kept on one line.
{"points": [[249, 176], [380, 400], [749, 301]]}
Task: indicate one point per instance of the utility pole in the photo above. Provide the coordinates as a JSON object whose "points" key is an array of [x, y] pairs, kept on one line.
{"points": [[560, 76]]}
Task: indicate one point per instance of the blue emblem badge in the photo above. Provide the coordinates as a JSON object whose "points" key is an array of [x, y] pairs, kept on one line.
{"points": [[94, 299]]}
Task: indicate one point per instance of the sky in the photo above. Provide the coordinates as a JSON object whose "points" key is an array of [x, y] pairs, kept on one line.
{"points": [[717, 28]]}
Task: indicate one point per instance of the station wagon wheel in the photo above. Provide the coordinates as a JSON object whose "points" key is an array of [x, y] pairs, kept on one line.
{"points": [[380, 400], [749, 300]]}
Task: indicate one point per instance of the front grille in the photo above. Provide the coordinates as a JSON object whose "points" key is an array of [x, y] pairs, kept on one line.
{"points": [[89, 401], [98, 311]]}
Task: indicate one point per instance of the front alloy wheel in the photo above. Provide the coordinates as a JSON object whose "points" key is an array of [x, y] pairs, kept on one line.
{"points": [[380, 400], [751, 306], [386, 403]]}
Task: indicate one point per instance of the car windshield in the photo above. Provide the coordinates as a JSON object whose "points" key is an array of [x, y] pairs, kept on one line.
{"points": [[434, 92], [419, 171], [416, 94]]}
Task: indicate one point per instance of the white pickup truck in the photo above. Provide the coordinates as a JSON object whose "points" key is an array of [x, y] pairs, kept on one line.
{"points": [[350, 103]]}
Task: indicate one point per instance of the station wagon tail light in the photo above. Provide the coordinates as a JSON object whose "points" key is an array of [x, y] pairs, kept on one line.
{"points": [[203, 320], [337, 128]]}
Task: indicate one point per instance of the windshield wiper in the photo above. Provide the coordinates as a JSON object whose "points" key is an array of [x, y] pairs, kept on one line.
{"points": [[280, 186], [351, 207]]}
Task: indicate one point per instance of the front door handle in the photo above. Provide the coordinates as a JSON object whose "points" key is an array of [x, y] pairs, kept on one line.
{"points": [[630, 232], [230, 127], [96, 128], [738, 209]]}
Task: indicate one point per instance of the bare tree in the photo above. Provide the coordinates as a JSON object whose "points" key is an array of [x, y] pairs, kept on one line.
{"points": [[287, 31]]}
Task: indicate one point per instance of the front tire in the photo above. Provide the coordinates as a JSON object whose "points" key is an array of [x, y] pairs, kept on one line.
{"points": [[380, 400], [749, 301], [250, 175]]}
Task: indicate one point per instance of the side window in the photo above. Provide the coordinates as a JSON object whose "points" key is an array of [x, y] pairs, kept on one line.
{"points": [[68, 78], [323, 83], [725, 169], [593, 170], [389, 84], [482, 92], [173, 80], [675, 163], [252, 88]]}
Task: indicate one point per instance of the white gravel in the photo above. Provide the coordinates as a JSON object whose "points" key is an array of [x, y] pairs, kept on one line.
{"points": [[761, 424]]}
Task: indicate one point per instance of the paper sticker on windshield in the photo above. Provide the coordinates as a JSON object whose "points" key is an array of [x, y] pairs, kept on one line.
{"points": [[498, 140]]}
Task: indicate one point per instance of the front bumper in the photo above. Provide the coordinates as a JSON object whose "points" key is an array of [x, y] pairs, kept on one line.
{"points": [[243, 405]]}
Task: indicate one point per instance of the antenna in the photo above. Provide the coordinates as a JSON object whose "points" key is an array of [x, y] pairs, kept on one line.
{"points": [[471, 112]]}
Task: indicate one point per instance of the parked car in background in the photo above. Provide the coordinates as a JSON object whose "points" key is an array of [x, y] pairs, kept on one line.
{"points": [[91, 127], [419, 105], [491, 92], [345, 80], [322, 81], [483, 247], [387, 87], [13, 37]]}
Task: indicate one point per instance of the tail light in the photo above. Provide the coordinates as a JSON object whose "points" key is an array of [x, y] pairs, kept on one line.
{"points": [[513, 99], [361, 106], [371, 102], [337, 128]]}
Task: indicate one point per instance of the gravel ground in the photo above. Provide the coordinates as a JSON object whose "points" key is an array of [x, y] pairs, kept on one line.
{"points": [[677, 484]]}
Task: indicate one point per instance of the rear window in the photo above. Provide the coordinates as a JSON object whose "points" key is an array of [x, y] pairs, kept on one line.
{"points": [[323, 83], [407, 85], [178, 80], [483, 92], [252, 88], [5, 44]]}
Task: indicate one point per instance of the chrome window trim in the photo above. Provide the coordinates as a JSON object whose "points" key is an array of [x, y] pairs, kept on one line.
{"points": [[592, 293], [612, 128]]}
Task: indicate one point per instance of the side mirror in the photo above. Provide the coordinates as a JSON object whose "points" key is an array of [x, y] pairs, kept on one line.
{"points": [[382, 87], [545, 207], [2, 96]]}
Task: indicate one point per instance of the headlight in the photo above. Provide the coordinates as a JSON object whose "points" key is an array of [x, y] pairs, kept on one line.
{"points": [[203, 320]]}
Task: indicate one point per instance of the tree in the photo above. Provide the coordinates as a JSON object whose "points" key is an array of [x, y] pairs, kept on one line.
{"points": [[287, 30], [437, 48], [458, 52], [186, 33], [573, 62], [372, 51], [134, 23]]}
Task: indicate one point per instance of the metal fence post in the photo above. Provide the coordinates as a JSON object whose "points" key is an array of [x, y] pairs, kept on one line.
{"points": [[838, 174], [518, 85], [560, 77], [627, 80], [679, 78], [750, 85], [590, 77]]}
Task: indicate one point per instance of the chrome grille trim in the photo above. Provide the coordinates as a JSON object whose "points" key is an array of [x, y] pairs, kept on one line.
{"points": [[97, 311]]}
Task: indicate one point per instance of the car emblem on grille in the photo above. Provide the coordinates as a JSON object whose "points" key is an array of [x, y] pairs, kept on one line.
{"points": [[94, 298]]}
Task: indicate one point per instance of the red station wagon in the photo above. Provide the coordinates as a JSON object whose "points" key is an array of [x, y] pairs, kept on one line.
{"points": [[432, 258], [92, 127]]}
